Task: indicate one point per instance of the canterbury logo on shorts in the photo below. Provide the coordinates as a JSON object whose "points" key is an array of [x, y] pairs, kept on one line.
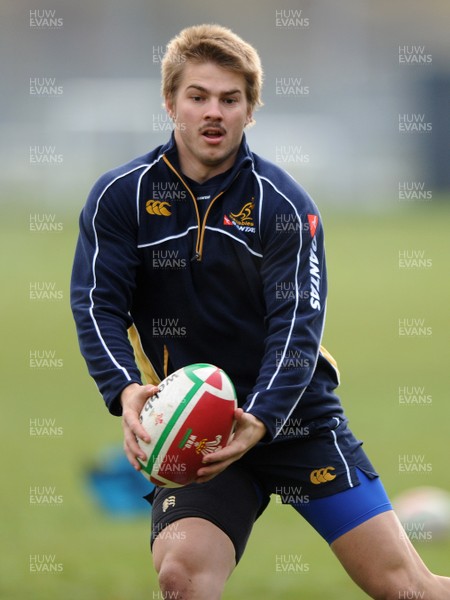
{"points": [[169, 502], [322, 475], [158, 207]]}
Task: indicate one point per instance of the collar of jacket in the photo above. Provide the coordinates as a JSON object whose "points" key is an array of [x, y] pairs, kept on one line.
{"points": [[244, 161]]}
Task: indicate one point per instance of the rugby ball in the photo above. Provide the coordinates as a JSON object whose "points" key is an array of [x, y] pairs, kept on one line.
{"points": [[191, 415]]}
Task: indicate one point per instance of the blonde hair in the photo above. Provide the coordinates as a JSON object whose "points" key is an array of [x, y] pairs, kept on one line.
{"points": [[211, 43]]}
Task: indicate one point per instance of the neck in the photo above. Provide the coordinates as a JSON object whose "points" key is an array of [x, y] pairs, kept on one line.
{"points": [[200, 174]]}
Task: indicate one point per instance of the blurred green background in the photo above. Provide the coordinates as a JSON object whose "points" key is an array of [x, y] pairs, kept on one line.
{"points": [[99, 106], [107, 558]]}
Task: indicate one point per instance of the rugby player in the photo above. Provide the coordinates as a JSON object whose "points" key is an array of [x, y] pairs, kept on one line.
{"points": [[242, 284]]}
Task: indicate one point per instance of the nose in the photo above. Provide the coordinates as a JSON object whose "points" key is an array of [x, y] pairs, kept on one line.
{"points": [[213, 110]]}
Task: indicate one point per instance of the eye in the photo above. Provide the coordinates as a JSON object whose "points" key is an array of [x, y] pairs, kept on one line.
{"points": [[230, 100], [196, 98]]}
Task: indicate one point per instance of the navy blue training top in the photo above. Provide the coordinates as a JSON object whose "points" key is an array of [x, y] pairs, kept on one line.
{"points": [[239, 282]]}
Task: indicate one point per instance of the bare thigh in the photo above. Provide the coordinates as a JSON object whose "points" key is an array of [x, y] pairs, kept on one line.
{"points": [[194, 555], [381, 559]]}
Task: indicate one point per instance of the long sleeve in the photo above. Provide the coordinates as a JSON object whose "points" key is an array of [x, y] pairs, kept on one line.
{"points": [[102, 286], [294, 282]]}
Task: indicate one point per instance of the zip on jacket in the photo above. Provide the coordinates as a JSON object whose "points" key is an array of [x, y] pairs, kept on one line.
{"points": [[201, 222]]}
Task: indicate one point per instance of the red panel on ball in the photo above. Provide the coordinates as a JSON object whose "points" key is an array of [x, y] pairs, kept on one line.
{"points": [[206, 429]]}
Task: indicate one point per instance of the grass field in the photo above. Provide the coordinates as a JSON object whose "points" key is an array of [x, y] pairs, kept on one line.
{"points": [[102, 558]]}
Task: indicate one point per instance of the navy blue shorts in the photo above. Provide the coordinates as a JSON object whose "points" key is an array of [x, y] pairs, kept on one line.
{"points": [[324, 475]]}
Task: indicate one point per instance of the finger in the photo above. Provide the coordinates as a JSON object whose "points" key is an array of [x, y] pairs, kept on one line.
{"points": [[132, 445], [141, 433], [235, 449], [203, 479], [149, 390], [219, 456], [132, 418], [131, 457], [131, 422], [218, 463], [206, 473], [238, 413], [132, 449], [130, 434]]}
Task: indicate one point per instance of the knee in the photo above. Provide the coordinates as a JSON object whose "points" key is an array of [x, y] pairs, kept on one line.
{"points": [[175, 577], [401, 593], [400, 585], [179, 577]]}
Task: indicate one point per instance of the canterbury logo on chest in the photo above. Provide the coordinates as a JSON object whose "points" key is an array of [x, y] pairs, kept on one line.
{"points": [[158, 207]]}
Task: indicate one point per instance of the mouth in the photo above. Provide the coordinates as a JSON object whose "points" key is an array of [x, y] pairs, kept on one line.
{"points": [[213, 135]]}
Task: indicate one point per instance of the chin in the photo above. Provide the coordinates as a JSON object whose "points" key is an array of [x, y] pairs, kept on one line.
{"points": [[218, 157]]}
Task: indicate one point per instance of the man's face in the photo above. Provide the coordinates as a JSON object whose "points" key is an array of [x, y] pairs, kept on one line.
{"points": [[210, 111]]}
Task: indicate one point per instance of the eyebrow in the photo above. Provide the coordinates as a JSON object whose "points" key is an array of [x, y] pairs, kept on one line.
{"points": [[200, 88]]}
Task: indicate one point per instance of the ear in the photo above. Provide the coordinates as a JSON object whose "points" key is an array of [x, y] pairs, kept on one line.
{"points": [[169, 107]]}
